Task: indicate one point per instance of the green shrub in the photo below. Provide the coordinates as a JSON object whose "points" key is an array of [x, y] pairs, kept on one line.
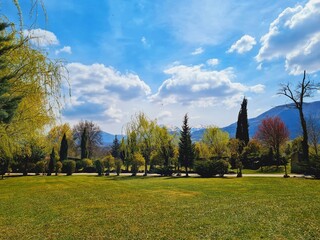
{"points": [[99, 167], [58, 167], [69, 166], [221, 167], [210, 168], [315, 166], [108, 162], [41, 167], [118, 164]]}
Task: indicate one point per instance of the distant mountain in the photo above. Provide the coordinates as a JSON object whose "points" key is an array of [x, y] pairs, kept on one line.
{"points": [[107, 138], [288, 114]]}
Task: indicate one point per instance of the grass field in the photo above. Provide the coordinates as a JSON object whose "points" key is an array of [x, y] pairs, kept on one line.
{"points": [[90, 207]]}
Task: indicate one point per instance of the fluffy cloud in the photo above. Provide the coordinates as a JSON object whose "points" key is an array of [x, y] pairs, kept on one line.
{"points": [[197, 51], [98, 89], [294, 36], [213, 61], [40, 37], [244, 44], [163, 115], [65, 49], [194, 85]]}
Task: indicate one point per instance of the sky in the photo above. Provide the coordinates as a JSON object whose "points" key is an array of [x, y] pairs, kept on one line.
{"points": [[168, 58]]}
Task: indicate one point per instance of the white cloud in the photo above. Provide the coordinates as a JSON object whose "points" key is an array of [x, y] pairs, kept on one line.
{"points": [[244, 44], [259, 88], [145, 42], [65, 49], [294, 36], [259, 67], [97, 79], [163, 115], [98, 89], [113, 114], [196, 86], [213, 61], [197, 51], [40, 37]]}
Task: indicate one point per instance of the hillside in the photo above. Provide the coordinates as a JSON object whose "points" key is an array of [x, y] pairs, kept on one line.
{"points": [[287, 113]]}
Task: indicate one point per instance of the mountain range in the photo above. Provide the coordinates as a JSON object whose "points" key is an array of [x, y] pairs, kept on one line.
{"points": [[288, 114]]}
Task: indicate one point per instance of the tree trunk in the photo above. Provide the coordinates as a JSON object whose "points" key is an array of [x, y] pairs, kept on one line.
{"points": [[305, 146], [146, 168], [187, 174], [285, 171], [178, 172], [277, 150], [25, 170]]}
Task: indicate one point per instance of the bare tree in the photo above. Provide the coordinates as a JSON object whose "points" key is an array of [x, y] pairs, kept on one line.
{"points": [[313, 126], [94, 136], [304, 89]]}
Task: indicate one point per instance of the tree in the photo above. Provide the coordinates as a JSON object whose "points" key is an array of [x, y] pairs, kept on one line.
{"points": [[118, 164], [202, 151], [217, 141], [55, 137], [186, 148], [99, 167], [84, 144], [164, 150], [242, 132], [5, 154], [145, 130], [94, 137], [8, 102], [313, 127], [58, 167], [304, 89], [235, 146], [63, 148], [108, 163], [273, 133], [137, 161], [115, 149], [52, 162], [124, 156]]}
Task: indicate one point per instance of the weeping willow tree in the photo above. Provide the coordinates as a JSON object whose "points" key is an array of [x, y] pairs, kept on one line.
{"points": [[35, 80]]}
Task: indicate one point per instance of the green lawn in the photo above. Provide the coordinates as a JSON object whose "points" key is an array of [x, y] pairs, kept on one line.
{"points": [[90, 207]]}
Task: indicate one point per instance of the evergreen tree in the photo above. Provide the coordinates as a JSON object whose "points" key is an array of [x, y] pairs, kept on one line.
{"points": [[8, 102], [242, 132], [63, 148], [115, 149], [186, 148], [52, 162], [84, 144]]}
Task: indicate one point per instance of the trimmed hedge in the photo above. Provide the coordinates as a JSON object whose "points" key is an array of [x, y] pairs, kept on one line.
{"points": [[211, 168], [69, 167]]}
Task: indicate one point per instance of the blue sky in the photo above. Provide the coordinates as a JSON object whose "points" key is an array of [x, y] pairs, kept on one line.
{"points": [[167, 58]]}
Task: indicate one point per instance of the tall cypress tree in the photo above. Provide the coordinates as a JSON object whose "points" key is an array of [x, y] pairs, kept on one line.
{"points": [[63, 148], [242, 132], [84, 144], [186, 148], [52, 162]]}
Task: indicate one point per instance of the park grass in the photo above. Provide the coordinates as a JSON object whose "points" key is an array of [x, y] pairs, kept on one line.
{"points": [[91, 207], [268, 170]]}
